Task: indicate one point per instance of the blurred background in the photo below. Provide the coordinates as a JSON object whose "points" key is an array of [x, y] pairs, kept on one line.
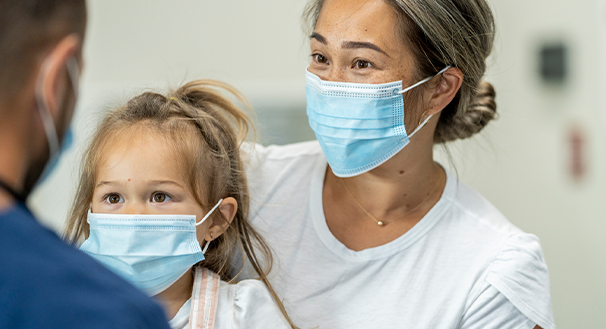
{"points": [[542, 163]]}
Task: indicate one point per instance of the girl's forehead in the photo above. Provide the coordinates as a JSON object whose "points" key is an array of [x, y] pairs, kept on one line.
{"points": [[142, 153]]}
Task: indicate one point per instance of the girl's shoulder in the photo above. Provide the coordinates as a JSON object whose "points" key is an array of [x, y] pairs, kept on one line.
{"points": [[247, 304]]}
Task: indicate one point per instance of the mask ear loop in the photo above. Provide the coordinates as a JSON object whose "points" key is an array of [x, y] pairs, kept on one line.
{"points": [[206, 217], [47, 119], [424, 80], [422, 124], [74, 74], [205, 247]]}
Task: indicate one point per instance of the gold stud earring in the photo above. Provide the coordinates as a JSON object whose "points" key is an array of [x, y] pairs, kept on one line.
{"points": [[421, 119]]}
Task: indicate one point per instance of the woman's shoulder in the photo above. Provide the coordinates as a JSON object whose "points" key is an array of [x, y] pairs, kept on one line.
{"points": [[520, 273], [251, 304], [467, 205], [280, 166], [517, 267], [259, 154]]}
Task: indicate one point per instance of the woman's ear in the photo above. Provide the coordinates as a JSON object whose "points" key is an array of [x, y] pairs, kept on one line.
{"points": [[228, 209], [445, 90]]}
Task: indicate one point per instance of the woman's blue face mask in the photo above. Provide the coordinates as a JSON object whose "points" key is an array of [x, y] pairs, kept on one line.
{"points": [[359, 126]]}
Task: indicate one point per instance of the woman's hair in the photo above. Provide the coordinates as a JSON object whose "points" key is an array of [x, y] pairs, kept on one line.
{"points": [[199, 122], [459, 33]]}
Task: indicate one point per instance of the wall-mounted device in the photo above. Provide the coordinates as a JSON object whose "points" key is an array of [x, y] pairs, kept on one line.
{"points": [[553, 63]]}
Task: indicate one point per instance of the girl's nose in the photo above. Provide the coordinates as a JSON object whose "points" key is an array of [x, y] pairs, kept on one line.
{"points": [[135, 208]]}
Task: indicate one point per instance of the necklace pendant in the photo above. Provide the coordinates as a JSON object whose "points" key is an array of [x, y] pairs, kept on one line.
{"points": [[380, 223]]}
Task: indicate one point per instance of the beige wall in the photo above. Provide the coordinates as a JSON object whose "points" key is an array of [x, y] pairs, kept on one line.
{"points": [[520, 162]]}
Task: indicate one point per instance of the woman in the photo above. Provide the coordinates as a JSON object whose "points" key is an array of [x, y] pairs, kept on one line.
{"points": [[369, 231]]}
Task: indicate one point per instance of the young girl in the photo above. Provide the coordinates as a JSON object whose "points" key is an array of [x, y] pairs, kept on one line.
{"points": [[163, 201]]}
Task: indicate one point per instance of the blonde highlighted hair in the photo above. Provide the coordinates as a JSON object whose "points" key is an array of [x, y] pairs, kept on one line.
{"points": [[200, 122], [457, 33]]}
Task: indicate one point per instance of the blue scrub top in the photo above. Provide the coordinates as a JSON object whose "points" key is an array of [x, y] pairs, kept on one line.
{"points": [[46, 283]]}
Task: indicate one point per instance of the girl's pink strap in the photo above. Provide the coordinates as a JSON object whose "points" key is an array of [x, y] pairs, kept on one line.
{"points": [[204, 299]]}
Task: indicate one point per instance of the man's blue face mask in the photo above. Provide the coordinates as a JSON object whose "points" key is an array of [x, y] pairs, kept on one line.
{"points": [[359, 126]]}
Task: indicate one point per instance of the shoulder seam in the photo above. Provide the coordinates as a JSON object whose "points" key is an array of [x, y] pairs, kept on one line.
{"points": [[478, 218]]}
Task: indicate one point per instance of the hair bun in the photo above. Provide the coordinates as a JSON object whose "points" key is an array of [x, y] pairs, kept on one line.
{"points": [[470, 120]]}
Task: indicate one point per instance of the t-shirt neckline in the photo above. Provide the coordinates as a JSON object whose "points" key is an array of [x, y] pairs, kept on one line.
{"points": [[182, 317], [383, 251]]}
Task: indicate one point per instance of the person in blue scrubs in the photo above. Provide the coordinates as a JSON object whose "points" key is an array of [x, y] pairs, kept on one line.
{"points": [[45, 283]]}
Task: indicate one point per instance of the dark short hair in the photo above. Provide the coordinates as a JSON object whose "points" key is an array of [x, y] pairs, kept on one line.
{"points": [[28, 28]]}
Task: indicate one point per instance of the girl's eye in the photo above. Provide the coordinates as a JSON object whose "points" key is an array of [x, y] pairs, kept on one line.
{"points": [[160, 197], [320, 59], [360, 64], [113, 198]]}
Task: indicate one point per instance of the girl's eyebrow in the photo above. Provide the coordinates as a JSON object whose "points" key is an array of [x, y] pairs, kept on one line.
{"points": [[105, 183], [153, 182], [163, 182]]}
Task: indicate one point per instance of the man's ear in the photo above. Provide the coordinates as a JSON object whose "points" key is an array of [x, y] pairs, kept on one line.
{"points": [[228, 208], [445, 90], [53, 78]]}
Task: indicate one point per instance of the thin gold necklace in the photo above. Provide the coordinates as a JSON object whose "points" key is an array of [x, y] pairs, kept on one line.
{"points": [[380, 222]]}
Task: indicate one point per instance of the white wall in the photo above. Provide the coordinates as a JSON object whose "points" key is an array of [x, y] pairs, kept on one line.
{"points": [[520, 162]]}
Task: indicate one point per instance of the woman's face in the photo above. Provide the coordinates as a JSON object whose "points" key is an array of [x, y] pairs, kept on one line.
{"points": [[358, 41]]}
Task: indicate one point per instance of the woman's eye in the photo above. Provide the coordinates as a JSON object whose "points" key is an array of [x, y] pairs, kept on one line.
{"points": [[160, 197], [360, 64], [113, 198], [320, 59]]}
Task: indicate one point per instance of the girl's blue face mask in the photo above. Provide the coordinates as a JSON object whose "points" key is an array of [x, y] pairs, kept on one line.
{"points": [[359, 126], [150, 251]]}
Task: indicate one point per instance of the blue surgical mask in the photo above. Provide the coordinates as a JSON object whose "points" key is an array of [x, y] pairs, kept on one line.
{"points": [[359, 126], [56, 149], [150, 251]]}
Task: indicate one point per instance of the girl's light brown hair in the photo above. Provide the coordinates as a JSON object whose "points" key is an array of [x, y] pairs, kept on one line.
{"points": [[199, 122]]}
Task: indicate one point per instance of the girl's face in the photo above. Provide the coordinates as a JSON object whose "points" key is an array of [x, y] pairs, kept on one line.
{"points": [[138, 174]]}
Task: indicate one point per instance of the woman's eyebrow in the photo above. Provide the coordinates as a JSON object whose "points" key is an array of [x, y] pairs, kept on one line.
{"points": [[318, 37], [350, 44], [360, 44]]}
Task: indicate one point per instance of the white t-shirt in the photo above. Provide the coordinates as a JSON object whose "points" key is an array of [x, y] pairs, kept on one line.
{"points": [[246, 304], [462, 266]]}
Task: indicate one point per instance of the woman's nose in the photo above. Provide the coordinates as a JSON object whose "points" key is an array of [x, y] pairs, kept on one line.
{"points": [[334, 74]]}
